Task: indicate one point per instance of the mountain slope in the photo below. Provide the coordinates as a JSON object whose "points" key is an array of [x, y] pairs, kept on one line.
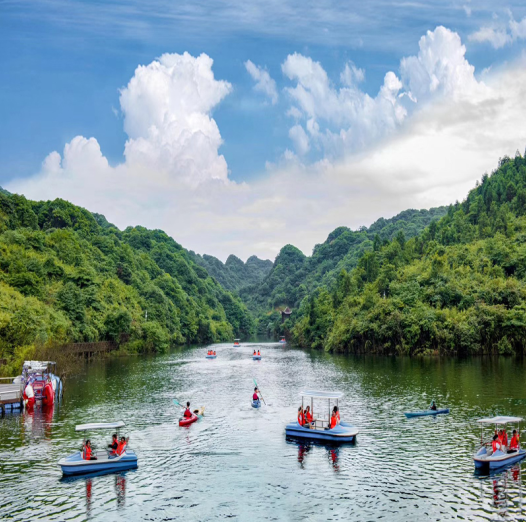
{"points": [[294, 275], [68, 275], [458, 287]]}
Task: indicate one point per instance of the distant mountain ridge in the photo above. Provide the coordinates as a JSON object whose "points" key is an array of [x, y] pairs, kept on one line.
{"points": [[294, 275], [234, 274]]}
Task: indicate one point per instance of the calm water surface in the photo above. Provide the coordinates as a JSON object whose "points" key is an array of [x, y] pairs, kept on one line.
{"points": [[236, 462]]}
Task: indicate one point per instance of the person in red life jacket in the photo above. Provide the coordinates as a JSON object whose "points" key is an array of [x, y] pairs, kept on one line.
{"points": [[114, 444], [255, 396], [215, 352], [334, 420], [87, 452], [187, 413], [29, 396], [496, 445], [259, 353], [301, 417], [254, 352], [122, 445], [504, 438], [337, 412], [308, 415], [514, 443]]}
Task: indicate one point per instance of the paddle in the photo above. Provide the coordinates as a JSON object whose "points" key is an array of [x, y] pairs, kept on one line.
{"points": [[256, 384]]}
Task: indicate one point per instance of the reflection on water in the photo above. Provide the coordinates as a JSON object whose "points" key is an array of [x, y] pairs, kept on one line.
{"points": [[236, 462]]}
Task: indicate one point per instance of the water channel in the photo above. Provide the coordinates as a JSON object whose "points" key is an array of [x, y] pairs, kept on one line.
{"points": [[236, 462]]}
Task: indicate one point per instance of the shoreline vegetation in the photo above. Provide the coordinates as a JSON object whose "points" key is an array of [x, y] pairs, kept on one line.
{"points": [[445, 281]]}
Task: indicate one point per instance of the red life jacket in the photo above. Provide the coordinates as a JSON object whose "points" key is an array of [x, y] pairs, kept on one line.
{"points": [[301, 418], [187, 413], [255, 397], [308, 416], [333, 422], [120, 448], [514, 444], [259, 353], [86, 453], [504, 439], [495, 445]]}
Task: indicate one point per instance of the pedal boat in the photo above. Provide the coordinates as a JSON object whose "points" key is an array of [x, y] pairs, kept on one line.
{"points": [[282, 340], [76, 465], [485, 457], [210, 356], [411, 414], [256, 357], [236, 343], [319, 428]]}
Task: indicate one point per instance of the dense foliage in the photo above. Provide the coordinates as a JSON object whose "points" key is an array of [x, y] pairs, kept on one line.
{"points": [[295, 276], [458, 287], [234, 274], [67, 275]]}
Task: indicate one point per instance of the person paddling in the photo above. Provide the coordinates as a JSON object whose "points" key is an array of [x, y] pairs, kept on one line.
{"points": [[255, 396], [433, 406], [187, 413]]}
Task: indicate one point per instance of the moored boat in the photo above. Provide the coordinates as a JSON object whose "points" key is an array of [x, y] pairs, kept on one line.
{"points": [[411, 414], [106, 460], [319, 428], [485, 457]]}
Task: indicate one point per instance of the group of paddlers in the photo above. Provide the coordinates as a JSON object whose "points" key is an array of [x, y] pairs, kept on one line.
{"points": [[306, 419], [211, 352], [500, 441], [116, 447], [259, 353]]}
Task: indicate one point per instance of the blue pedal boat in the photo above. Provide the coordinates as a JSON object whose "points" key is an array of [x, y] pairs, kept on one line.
{"points": [[319, 428], [210, 356], [485, 457], [256, 404], [256, 357], [411, 414], [76, 465]]}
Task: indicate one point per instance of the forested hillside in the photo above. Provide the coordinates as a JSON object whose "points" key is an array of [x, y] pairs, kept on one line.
{"points": [[458, 287], [234, 274], [67, 275], [295, 275]]}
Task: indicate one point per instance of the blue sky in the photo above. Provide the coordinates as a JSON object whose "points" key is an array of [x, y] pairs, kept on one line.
{"points": [[64, 62]]}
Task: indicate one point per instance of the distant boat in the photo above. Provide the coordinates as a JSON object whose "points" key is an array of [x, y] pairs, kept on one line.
{"points": [[256, 357], [283, 340], [422, 413], [236, 343]]}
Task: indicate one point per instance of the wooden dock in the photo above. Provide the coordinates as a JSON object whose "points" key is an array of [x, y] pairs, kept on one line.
{"points": [[10, 395]]}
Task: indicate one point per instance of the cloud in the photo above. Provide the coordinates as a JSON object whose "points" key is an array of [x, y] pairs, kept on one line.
{"points": [[499, 34], [300, 139], [446, 140], [343, 120], [264, 83]]}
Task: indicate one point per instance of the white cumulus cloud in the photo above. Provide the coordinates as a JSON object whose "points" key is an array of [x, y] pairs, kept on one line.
{"points": [[264, 83], [499, 34]]}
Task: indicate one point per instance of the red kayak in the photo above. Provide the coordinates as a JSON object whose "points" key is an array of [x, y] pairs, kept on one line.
{"points": [[186, 421]]}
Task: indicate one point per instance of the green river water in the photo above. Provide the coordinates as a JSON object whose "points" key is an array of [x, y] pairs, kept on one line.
{"points": [[236, 463]]}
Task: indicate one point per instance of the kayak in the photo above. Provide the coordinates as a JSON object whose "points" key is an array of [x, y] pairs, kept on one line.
{"points": [[256, 357], [256, 404], [186, 421], [409, 415]]}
